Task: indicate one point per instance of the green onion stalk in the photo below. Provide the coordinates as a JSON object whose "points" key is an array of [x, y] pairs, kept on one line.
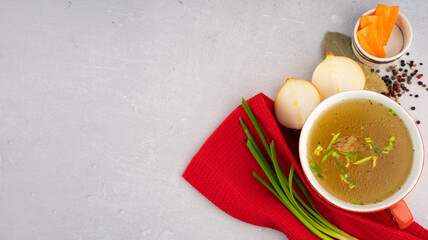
{"points": [[281, 186]]}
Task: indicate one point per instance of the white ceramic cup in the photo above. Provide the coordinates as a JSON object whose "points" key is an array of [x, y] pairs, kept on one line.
{"points": [[399, 42], [395, 204]]}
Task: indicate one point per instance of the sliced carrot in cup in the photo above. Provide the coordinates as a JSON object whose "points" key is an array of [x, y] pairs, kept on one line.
{"points": [[370, 41], [389, 16], [376, 20]]}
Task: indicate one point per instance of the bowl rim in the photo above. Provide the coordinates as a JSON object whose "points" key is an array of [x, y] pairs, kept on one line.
{"points": [[417, 140], [389, 59]]}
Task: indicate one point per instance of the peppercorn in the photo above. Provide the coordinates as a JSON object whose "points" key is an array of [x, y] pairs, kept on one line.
{"points": [[404, 75], [418, 122], [411, 62], [407, 53], [388, 70], [398, 77], [424, 85], [416, 96], [419, 83], [372, 70], [409, 82], [398, 86], [419, 76], [405, 70], [393, 77], [403, 92], [411, 95], [409, 77], [421, 64], [413, 108], [399, 94]]}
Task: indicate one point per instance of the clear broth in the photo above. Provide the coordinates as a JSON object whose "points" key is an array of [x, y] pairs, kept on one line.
{"points": [[363, 118]]}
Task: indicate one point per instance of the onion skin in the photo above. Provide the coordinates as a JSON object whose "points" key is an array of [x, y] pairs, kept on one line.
{"points": [[294, 102], [336, 74]]}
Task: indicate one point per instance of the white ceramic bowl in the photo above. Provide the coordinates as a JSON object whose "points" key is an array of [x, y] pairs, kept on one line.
{"points": [[418, 156], [399, 42]]}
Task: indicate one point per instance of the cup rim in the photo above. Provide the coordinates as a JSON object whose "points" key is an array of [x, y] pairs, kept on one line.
{"points": [[389, 59], [412, 128]]}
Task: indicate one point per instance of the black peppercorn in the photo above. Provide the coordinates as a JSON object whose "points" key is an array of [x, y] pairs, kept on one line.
{"points": [[418, 122], [413, 108], [421, 64], [416, 96], [407, 53]]}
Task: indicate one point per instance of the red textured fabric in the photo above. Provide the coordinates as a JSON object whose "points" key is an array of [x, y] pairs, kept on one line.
{"points": [[222, 172]]}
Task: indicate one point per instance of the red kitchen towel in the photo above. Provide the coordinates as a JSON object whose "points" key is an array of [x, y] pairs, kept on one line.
{"points": [[222, 172]]}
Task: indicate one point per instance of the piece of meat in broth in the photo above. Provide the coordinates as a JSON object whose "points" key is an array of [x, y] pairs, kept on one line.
{"points": [[349, 144]]}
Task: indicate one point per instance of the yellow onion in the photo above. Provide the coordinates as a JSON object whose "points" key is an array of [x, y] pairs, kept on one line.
{"points": [[294, 101], [336, 74]]}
